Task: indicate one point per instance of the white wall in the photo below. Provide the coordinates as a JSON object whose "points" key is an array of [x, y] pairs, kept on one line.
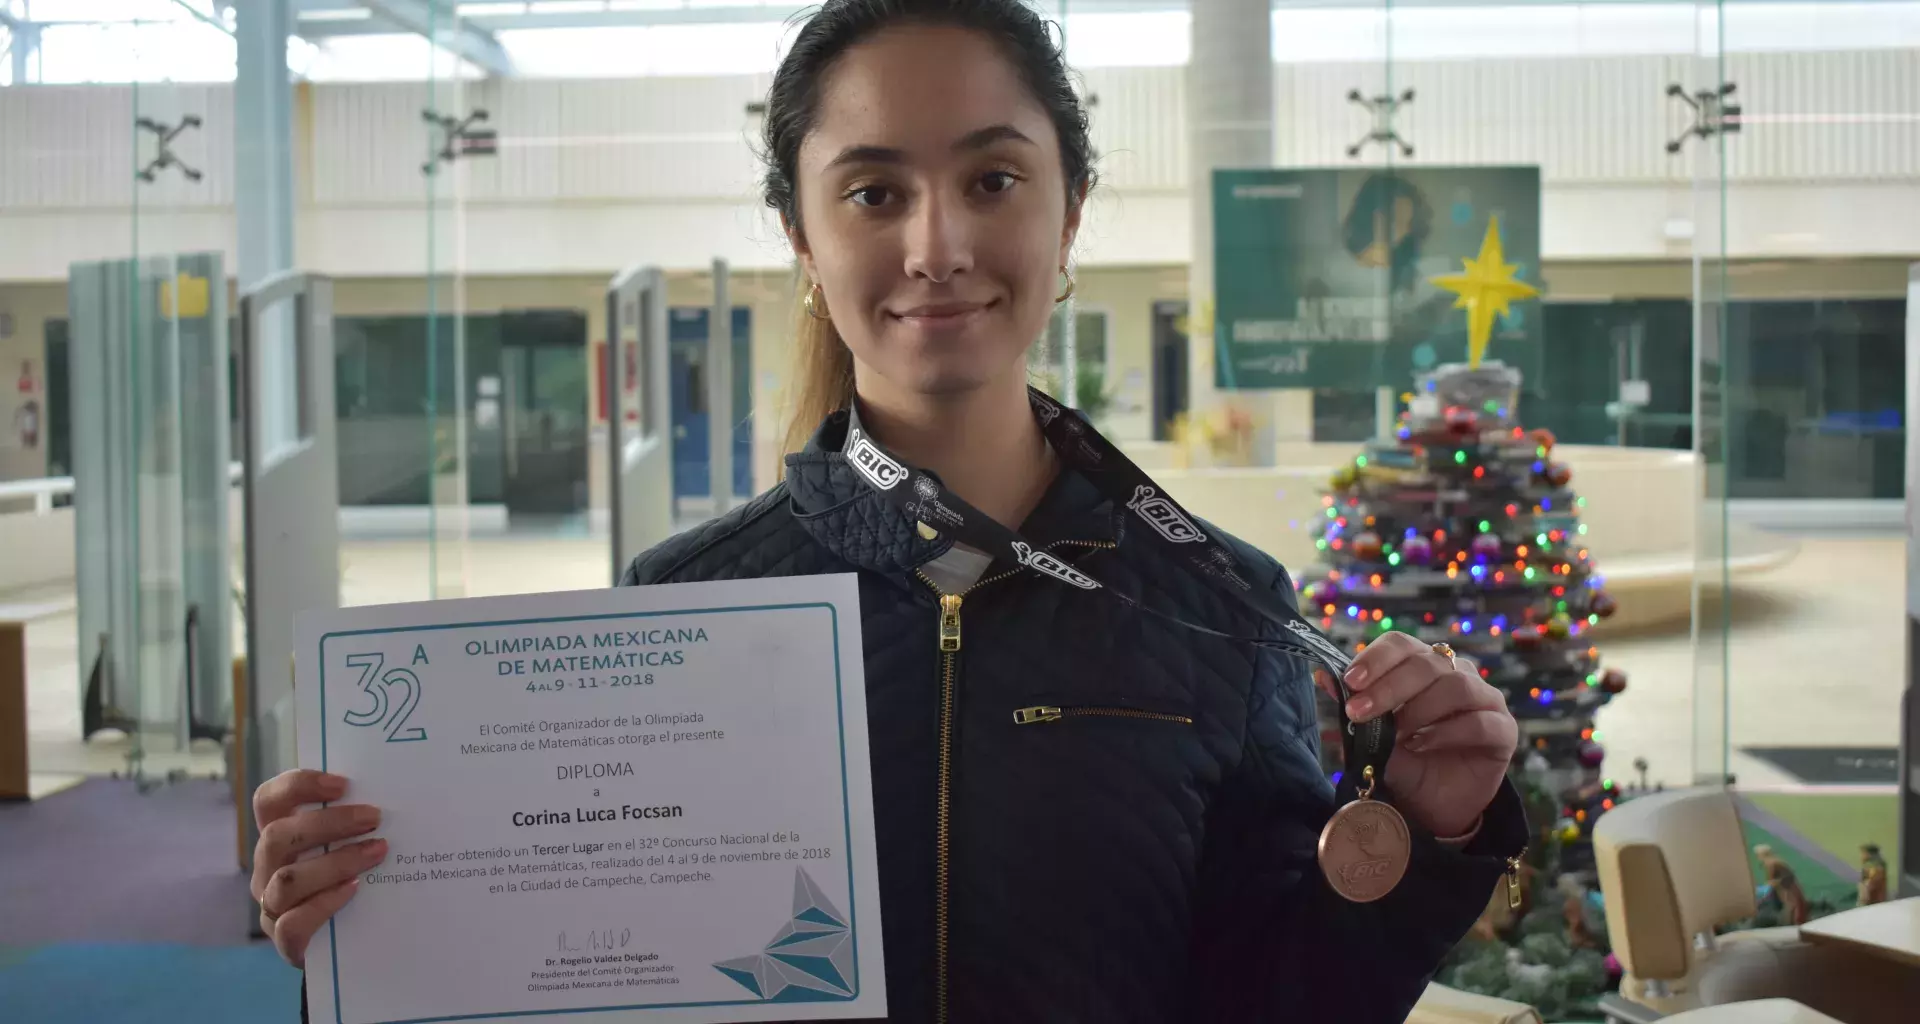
{"points": [[39, 548], [596, 175]]}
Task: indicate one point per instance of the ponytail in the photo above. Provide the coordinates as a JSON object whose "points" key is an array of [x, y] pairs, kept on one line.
{"points": [[821, 382]]}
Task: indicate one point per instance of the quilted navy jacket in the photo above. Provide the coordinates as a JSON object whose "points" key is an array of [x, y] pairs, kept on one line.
{"points": [[1153, 865]]}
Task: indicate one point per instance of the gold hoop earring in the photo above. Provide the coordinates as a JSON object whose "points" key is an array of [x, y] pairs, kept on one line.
{"points": [[1068, 294], [817, 308]]}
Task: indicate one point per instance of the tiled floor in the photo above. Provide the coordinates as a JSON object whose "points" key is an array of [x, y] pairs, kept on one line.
{"points": [[1816, 655], [1815, 650]]}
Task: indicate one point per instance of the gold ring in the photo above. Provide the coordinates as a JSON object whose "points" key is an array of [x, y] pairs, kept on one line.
{"points": [[1444, 651]]}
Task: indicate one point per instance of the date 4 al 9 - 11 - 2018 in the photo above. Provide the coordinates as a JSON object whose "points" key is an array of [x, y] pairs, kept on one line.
{"points": [[590, 683]]}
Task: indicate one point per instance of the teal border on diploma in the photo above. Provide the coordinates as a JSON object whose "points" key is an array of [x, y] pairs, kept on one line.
{"points": [[853, 912]]}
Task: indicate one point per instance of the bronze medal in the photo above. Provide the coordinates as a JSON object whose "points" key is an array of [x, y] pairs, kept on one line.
{"points": [[1364, 850]]}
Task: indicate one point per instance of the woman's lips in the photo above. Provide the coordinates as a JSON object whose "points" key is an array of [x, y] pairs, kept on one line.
{"points": [[942, 315]]}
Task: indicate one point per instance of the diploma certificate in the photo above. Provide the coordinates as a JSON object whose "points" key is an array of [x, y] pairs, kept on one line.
{"points": [[624, 805]]}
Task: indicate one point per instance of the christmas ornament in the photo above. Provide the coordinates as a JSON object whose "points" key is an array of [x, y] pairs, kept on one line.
{"points": [[1543, 438], [1486, 545], [1569, 831], [1344, 477], [1367, 546], [1526, 638], [1463, 422], [1591, 754], [1603, 605], [1559, 474], [1613, 680], [1559, 626], [1486, 287], [1417, 550]]}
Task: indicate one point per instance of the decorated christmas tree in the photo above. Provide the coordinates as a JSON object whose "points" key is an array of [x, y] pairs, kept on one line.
{"points": [[1463, 528]]}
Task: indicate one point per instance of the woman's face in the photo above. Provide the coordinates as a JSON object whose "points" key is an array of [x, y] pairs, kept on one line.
{"points": [[933, 210]]}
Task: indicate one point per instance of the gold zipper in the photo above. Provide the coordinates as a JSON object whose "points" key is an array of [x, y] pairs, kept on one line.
{"points": [[1048, 713], [943, 829], [949, 623], [949, 642], [1513, 879]]}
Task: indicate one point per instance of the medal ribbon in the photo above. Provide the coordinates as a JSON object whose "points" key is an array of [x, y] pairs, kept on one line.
{"points": [[921, 495]]}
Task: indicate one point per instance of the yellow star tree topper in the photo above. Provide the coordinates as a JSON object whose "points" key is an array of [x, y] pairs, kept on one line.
{"points": [[1486, 290]]}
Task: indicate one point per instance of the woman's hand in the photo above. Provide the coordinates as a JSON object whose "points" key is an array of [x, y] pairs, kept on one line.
{"points": [[1454, 735], [298, 896]]}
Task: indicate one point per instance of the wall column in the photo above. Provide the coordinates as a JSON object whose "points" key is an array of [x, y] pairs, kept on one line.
{"points": [[1230, 125]]}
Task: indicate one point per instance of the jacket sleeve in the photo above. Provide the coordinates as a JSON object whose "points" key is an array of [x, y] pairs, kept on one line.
{"points": [[1272, 941]]}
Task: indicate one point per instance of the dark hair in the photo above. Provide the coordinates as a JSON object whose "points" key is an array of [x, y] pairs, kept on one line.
{"points": [[1021, 33], [822, 379]]}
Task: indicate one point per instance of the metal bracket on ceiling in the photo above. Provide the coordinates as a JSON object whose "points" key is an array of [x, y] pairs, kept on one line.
{"points": [[1714, 113], [1382, 109], [461, 138], [164, 156]]}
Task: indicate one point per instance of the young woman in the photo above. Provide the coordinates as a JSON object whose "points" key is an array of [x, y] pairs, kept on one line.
{"points": [[1086, 811]]}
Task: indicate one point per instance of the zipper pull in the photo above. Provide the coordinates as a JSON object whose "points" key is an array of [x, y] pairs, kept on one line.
{"points": [[1029, 716], [1513, 880], [949, 623]]}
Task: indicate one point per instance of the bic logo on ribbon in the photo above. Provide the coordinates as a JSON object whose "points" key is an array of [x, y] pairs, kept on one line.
{"points": [[1053, 567], [388, 714], [1165, 519], [873, 463]]}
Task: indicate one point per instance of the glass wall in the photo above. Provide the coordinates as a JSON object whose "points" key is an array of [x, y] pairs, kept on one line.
{"points": [[1811, 409]]}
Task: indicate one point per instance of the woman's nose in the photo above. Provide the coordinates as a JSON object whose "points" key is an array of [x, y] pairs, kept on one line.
{"points": [[939, 240]]}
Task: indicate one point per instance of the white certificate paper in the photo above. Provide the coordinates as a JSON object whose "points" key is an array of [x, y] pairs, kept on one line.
{"points": [[623, 805]]}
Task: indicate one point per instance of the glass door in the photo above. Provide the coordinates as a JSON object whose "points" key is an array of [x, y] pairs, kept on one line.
{"points": [[1698, 117], [1806, 120], [451, 116]]}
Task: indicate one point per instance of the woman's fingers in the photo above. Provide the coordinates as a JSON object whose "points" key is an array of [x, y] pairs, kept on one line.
{"points": [[1449, 694], [1479, 729], [1405, 678], [294, 930], [1381, 658], [295, 883], [290, 790], [284, 840]]}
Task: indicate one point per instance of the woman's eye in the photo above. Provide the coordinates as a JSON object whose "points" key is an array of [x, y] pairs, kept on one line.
{"points": [[871, 195], [996, 182]]}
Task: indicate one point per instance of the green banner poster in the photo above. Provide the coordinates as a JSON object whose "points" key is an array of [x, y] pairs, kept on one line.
{"points": [[1324, 278]]}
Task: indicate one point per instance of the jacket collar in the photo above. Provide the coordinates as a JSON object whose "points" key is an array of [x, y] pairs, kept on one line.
{"points": [[850, 519]]}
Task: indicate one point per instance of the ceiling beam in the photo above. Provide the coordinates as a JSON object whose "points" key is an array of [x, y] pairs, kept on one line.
{"points": [[435, 20]]}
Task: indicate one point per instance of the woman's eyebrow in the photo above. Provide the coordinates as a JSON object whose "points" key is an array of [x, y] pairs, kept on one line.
{"points": [[868, 155], [981, 138]]}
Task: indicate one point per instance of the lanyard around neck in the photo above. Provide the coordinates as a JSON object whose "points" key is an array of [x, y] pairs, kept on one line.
{"points": [[922, 496]]}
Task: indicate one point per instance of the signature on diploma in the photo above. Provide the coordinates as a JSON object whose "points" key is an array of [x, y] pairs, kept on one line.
{"points": [[599, 938]]}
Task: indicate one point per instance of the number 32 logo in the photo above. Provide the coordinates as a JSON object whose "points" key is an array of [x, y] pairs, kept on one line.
{"points": [[395, 694]]}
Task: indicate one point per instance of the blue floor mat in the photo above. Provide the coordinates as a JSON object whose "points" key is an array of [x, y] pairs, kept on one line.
{"points": [[148, 984]]}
